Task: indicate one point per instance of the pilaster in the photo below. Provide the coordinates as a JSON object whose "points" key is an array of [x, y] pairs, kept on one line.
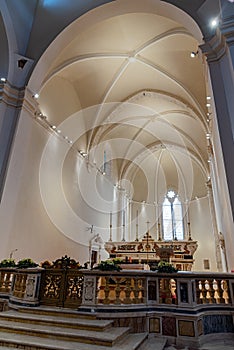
{"points": [[11, 100], [217, 52]]}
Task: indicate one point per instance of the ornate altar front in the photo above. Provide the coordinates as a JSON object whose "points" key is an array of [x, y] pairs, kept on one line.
{"points": [[150, 251]]}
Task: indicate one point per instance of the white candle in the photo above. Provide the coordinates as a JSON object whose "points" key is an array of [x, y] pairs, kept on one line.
{"points": [[110, 218], [123, 217]]}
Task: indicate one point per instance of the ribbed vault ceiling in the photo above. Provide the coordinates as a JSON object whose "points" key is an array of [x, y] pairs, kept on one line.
{"points": [[149, 97]]}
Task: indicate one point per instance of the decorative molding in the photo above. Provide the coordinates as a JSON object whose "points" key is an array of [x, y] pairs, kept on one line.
{"points": [[215, 48], [227, 29], [30, 104], [11, 95]]}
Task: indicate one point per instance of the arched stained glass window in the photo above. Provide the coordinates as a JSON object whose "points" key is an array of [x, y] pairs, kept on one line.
{"points": [[172, 211]]}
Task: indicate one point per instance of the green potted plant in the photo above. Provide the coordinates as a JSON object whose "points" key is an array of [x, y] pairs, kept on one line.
{"points": [[108, 265], [166, 267], [26, 263], [7, 263]]}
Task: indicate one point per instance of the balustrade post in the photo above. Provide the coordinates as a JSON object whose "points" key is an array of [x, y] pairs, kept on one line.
{"points": [[106, 291], [117, 291], [220, 292], [138, 290], [211, 291], [128, 291]]}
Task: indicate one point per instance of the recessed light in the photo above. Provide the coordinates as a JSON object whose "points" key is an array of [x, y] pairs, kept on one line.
{"points": [[208, 97], [214, 22], [53, 127], [59, 131], [208, 105], [3, 80], [36, 96]]}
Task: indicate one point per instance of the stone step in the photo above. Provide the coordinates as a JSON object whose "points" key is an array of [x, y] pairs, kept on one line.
{"points": [[107, 337], [154, 343], [10, 341], [56, 320], [56, 311]]}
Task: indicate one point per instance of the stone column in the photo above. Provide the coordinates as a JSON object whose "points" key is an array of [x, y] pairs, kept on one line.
{"points": [[220, 268], [11, 100]]}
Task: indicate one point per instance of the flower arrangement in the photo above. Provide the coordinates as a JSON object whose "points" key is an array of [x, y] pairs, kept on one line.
{"points": [[66, 262], [46, 264], [8, 263]]}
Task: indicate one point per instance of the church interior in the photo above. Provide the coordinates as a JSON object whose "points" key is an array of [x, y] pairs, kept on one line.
{"points": [[116, 132]]}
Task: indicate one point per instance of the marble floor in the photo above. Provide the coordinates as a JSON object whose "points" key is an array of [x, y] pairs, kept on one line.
{"points": [[153, 343], [214, 345]]}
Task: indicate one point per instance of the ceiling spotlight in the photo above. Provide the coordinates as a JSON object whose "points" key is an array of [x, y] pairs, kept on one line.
{"points": [[84, 154], [70, 141], [36, 96], [53, 127], [59, 131], [208, 105], [208, 98], [3, 80], [214, 23], [193, 54]]}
